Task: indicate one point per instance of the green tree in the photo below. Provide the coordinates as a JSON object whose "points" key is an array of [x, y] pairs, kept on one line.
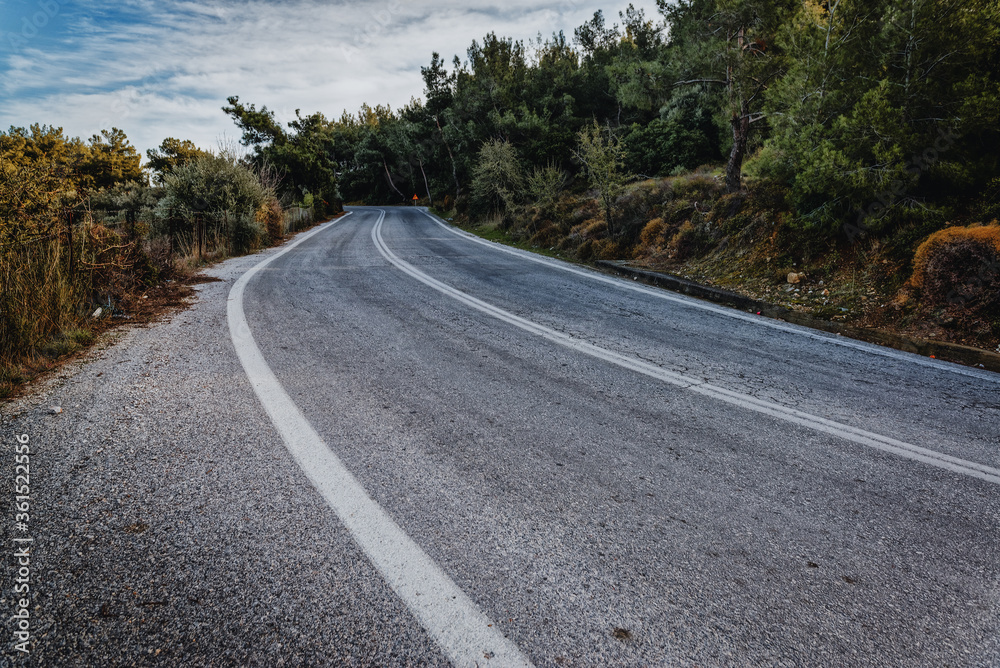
{"points": [[170, 154], [887, 110], [603, 158], [305, 155], [497, 179], [729, 44], [110, 160]]}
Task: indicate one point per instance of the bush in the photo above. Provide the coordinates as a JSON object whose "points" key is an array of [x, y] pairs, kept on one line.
{"points": [[697, 186], [606, 249], [497, 181], [641, 202], [651, 235], [689, 241], [272, 218], [544, 185], [665, 145], [960, 266], [224, 192]]}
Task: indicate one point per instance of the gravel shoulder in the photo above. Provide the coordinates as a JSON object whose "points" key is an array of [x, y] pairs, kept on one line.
{"points": [[171, 527]]}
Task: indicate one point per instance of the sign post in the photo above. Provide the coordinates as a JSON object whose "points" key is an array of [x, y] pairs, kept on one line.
{"points": [[415, 198]]}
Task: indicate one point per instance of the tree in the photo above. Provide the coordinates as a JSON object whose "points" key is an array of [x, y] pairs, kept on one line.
{"points": [[111, 159], [884, 108], [497, 180], [305, 156], [170, 154], [730, 44], [603, 158]]}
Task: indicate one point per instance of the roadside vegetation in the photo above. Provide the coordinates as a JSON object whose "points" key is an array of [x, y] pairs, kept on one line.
{"points": [[90, 238], [839, 157], [738, 142]]}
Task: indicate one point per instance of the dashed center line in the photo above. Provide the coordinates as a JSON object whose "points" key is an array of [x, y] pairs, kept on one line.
{"points": [[745, 401]]}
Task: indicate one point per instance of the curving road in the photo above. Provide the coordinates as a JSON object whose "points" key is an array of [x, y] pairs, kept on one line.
{"points": [[394, 444]]}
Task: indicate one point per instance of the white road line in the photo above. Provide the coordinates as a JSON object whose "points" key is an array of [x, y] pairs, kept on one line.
{"points": [[814, 422], [727, 312], [464, 633]]}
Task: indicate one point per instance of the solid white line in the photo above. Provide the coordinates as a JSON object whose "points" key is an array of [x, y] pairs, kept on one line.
{"points": [[461, 629], [761, 321], [814, 422]]}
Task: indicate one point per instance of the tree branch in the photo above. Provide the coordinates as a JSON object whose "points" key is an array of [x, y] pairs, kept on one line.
{"points": [[693, 81]]}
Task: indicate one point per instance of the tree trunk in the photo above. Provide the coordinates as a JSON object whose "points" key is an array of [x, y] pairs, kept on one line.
{"points": [[741, 133], [427, 187], [388, 177], [454, 168], [608, 219]]}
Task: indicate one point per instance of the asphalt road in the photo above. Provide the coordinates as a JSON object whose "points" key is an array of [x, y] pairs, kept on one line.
{"points": [[416, 447]]}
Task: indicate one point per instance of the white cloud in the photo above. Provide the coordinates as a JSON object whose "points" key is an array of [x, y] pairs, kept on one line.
{"points": [[158, 69]]}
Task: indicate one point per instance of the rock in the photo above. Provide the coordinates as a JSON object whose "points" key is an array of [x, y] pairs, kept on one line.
{"points": [[98, 312], [794, 277], [56, 410]]}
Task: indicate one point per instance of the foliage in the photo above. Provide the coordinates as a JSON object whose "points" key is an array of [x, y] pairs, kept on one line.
{"points": [[106, 159], [221, 190], [603, 157], [887, 110], [666, 146], [304, 155], [544, 185], [497, 181], [110, 159], [271, 218], [171, 154]]}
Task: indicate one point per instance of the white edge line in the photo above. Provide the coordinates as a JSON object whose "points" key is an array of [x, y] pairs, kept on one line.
{"points": [[727, 312], [816, 423], [461, 629]]}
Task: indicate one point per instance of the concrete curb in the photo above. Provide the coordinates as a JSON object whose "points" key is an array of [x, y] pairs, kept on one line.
{"points": [[952, 352]]}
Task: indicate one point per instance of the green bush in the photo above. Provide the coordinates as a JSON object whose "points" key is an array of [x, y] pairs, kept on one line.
{"points": [[226, 193]]}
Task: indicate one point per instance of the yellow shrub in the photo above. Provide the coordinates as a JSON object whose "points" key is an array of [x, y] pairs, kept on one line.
{"points": [[937, 243], [686, 242], [650, 235], [272, 218], [606, 249], [591, 228]]}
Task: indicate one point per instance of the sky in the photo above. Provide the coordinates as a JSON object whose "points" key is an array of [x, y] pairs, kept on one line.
{"points": [[164, 68]]}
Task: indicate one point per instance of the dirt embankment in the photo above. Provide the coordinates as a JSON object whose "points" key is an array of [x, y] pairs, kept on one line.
{"points": [[932, 282]]}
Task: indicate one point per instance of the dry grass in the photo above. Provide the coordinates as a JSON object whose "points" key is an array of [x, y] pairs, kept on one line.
{"points": [[272, 218], [48, 299], [930, 253]]}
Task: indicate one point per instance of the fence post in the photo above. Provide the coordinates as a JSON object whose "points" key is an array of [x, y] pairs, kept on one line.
{"points": [[197, 233], [69, 234]]}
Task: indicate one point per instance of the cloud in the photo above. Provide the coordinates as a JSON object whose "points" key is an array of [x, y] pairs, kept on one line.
{"points": [[165, 68]]}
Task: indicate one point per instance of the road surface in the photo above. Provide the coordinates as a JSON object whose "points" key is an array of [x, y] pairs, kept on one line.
{"points": [[388, 443]]}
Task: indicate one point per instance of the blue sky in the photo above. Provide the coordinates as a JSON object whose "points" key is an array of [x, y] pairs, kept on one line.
{"points": [[164, 68]]}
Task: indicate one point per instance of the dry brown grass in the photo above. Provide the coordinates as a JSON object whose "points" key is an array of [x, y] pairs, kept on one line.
{"points": [[932, 253], [272, 218]]}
